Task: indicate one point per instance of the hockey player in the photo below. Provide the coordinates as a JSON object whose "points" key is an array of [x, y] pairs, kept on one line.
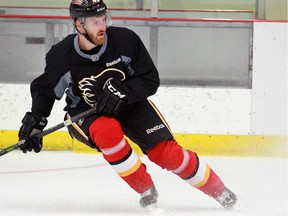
{"points": [[110, 68]]}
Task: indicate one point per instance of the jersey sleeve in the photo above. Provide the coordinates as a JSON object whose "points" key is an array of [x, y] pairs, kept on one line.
{"points": [[143, 79], [49, 86]]}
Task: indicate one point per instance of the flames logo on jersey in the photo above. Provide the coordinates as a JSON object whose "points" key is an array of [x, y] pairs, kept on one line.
{"points": [[91, 86]]}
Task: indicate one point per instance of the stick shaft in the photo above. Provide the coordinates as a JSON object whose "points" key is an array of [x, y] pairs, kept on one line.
{"points": [[52, 129]]}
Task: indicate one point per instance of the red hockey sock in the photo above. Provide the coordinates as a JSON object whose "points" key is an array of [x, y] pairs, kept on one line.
{"points": [[171, 156], [213, 186], [187, 165], [206, 180], [108, 135]]}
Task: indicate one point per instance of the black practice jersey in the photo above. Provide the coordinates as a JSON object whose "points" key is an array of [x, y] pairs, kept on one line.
{"points": [[82, 75]]}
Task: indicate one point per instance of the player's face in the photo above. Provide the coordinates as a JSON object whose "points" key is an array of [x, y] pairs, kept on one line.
{"points": [[96, 28]]}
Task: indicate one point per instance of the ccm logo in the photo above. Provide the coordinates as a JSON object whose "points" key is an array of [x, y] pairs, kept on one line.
{"points": [[112, 89]]}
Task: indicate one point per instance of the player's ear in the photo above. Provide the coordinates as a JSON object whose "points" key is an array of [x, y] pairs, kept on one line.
{"points": [[79, 26]]}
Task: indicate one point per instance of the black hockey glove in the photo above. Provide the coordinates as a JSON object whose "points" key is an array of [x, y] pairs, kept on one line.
{"points": [[111, 99], [31, 124]]}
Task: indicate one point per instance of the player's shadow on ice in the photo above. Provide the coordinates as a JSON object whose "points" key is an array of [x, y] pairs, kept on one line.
{"points": [[101, 207]]}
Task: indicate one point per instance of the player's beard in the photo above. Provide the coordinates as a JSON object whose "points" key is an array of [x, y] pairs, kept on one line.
{"points": [[97, 39]]}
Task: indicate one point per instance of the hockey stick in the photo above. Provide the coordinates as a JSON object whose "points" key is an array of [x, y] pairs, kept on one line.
{"points": [[52, 129]]}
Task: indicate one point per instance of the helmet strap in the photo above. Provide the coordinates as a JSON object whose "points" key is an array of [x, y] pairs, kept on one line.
{"points": [[82, 22], [87, 36]]}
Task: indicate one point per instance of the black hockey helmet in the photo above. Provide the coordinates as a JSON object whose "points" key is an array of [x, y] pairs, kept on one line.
{"points": [[86, 8]]}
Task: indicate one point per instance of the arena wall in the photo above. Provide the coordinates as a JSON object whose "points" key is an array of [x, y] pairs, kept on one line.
{"points": [[211, 121]]}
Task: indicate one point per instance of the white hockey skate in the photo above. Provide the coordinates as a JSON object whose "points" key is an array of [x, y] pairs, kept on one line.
{"points": [[149, 197], [227, 199]]}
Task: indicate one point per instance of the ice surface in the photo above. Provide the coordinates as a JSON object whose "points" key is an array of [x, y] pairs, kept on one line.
{"points": [[65, 183]]}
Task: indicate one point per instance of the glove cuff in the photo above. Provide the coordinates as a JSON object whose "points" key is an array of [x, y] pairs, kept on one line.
{"points": [[34, 121]]}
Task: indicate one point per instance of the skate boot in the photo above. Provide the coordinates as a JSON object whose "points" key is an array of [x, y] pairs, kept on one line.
{"points": [[148, 197], [227, 199]]}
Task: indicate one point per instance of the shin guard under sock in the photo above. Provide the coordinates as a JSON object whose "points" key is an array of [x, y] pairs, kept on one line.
{"points": [[108, 135], [187, 165]]}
